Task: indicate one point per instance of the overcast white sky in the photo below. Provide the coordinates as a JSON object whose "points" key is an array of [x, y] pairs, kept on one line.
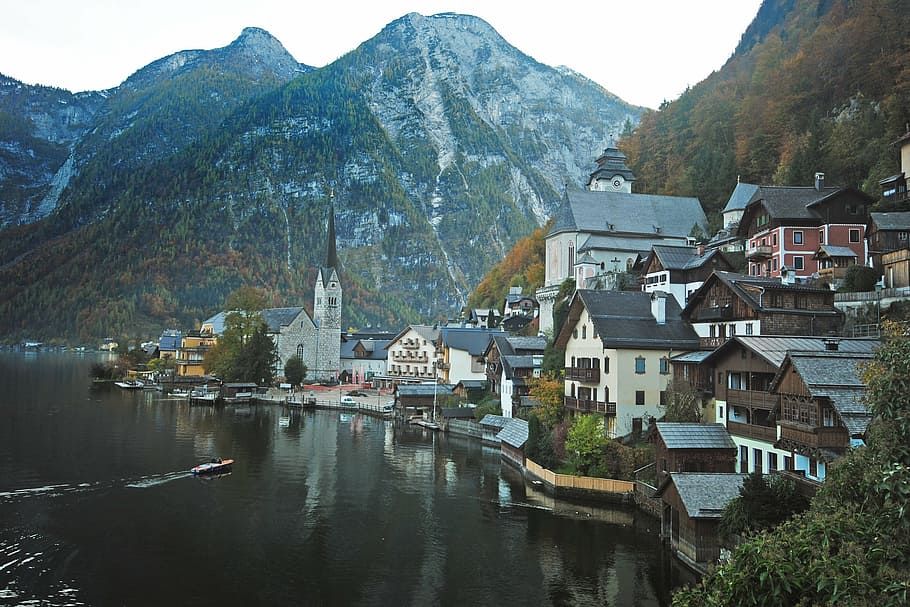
{"points": [[644, 51]]}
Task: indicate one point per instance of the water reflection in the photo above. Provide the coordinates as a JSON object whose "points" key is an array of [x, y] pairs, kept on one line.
{"points": [[97, 507]]}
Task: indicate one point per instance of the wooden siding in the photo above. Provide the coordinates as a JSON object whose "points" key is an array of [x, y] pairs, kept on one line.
{"points": [[585, 483]]}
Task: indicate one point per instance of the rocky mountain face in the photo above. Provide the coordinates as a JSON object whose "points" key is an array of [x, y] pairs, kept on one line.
{"points": [[438, 143]]}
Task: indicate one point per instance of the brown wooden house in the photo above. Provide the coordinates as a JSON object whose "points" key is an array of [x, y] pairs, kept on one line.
{"points": [[822, 411], [888, 232], [691, 447], [731, 304], [692, 504]]}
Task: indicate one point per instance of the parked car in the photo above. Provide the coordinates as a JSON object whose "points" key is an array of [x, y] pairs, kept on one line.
{"points": [[347, 401]]}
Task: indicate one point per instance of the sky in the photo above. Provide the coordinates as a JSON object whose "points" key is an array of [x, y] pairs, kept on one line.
{"points": [[644, 51]]}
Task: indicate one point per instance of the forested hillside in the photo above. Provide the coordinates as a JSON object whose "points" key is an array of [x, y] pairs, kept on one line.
{"points": [[813, 86]]}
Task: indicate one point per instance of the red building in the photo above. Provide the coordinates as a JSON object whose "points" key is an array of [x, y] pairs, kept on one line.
{"points": [[784, 227]]}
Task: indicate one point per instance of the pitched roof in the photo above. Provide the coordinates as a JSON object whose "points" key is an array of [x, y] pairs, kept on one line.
{"points": [[835, 376], [828, 250], [683, 257], [275, 318], [623, 319], [597, 211], [774, 348], [375, 347], [514, 433], [743, 286], [704, 495], [471, 340], [899, 220], [495, 421], [740, 196], [170, 339], [678, 435], [430, 389]]}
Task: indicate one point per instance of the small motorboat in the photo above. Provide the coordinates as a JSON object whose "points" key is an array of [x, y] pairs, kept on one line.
{"points": [[216, 466]]}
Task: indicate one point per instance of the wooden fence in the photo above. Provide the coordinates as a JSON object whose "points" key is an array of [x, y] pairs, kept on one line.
{"points": [[578, 483]]}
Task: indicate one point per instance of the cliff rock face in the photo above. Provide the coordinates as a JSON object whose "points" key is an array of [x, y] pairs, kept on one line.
{"points": [[439, 143]]}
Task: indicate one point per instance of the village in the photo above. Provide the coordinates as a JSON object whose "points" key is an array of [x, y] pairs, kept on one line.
{"points": [[763, 327]]}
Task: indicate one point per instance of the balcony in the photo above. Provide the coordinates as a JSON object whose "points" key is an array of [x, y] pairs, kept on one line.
{"points": [[716, 313], [822, 437], [831, 274], [588, 375], [752, 399], [767, 434], [590, 406], [760, 252], [709, 343]]}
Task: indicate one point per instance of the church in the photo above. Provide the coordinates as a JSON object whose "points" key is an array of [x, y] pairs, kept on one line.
{"points": [[603, 229], [317, 339]]}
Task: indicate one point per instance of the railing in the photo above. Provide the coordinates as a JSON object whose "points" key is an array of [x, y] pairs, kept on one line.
{"points": [[762, 433], [408, 357], [716, 313], [588, 375], [823, 437], [759, 252], [711, 342], [590, 406], [752, 398], [586, 483]]}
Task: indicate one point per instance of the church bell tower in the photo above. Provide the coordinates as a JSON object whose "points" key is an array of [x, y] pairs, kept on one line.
{"points": [[327, 309]]}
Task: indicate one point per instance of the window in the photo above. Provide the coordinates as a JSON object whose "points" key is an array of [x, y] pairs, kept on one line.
{"points": [[774, 240], [639, 397], [902, 236], [797, 237], [720, 412], [640, 365], [744, 459], [757, 460], [813, 467], [748, 328], [854, 235], [606, 365], [798, 262], [571, 256], [575, 333], [584, 331], [664, 365], [821, 237], [663, 398], [772, 461]]}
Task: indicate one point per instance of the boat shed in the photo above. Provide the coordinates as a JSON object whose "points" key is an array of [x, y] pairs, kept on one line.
{"points": [[512, 439]]}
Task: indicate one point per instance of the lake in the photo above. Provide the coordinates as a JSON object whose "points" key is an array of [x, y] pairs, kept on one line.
{"points": [[321, 508]]}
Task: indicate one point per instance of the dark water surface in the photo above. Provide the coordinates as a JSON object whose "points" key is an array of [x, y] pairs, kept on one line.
{"points": [[321, 508]]}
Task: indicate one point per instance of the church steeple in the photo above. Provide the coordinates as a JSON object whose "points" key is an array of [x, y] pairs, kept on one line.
{"points": [[331, 255]]}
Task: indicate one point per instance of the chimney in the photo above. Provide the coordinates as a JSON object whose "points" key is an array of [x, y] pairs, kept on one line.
{"points": [[700, 249], [819, 182], [659, 307]]}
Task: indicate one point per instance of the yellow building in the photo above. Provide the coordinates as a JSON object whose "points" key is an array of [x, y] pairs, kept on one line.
{"points": [[191, 352]]}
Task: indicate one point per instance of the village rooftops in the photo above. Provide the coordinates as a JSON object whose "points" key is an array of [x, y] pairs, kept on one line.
{"points": [[704, 495], [774, 348]]}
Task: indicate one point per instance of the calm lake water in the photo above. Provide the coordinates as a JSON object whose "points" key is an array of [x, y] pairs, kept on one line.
{"points": [[321, 508]]}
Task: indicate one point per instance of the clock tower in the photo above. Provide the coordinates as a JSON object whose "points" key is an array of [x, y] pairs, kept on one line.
{"points": [[611, 174]]}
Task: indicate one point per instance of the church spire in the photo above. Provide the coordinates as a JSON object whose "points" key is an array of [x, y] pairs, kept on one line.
{"points": [[331, 255]]}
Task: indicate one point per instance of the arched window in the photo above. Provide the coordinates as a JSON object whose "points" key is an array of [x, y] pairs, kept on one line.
{"points": [[571, 255], [300, 351]]}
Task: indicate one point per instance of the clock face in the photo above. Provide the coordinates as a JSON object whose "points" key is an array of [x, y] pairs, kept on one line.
{"points": [[617, 182]]}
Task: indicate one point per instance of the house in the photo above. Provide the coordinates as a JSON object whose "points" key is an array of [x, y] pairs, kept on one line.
{"points": [[411, 357], [618, 346], [692, 506], [692, 447], [169, 343], [485, 317], [510, 362], [833, 262], [784, 226], [519, 304], [490, 427], [363, 358], [471, 390], [460, 351], [894, 188], [680, 270], [729, 304], [822, 408], [604, 228], [742, 371], [889, 245], [896, 269], [191, 353]]}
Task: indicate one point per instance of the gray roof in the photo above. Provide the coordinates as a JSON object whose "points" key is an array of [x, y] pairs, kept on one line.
{"points": [[473, 383], [792, 202], [430, 389], [740, 197], [742, 285], [774, 348], [595, 212], [170, 339], [633, 244], [623, 319], [496, 421], [835, 376], [375, 347], [899, 220], [682, 257], [275, 318], [678, 435], [457, 412], [525, 345], [692, 357], [471, 340], [511, 363], [515, 432], [705, 495], [836, 251]]}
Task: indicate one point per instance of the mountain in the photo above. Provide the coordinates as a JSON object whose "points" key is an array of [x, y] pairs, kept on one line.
{"points": [[813, 86], [439, 144]]}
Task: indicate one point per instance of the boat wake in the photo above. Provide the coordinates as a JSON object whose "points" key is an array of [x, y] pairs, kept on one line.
{"points": [[50, 491]]}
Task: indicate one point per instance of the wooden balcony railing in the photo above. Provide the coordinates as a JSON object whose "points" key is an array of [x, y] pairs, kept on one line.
{"points": [[762, 433], [759, 252], [583, 375], [754, 399], [590, 406], [823, 437]]}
